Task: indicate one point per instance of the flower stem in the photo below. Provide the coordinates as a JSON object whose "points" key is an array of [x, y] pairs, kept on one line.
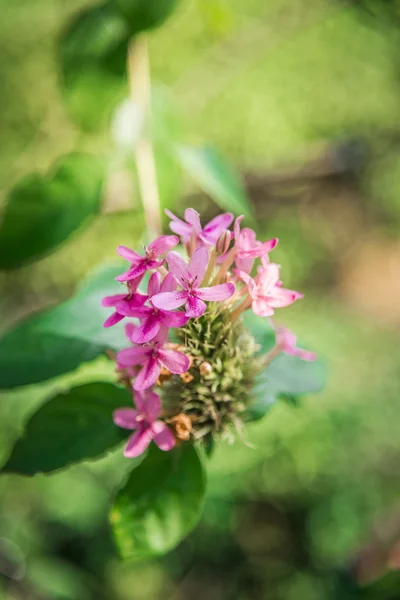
{"points": [[241, 308], [210, 268], [225, 266], [140, 91]]}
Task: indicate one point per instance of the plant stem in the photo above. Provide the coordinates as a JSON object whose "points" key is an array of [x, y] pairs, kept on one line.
{"points": [[140, 92]]}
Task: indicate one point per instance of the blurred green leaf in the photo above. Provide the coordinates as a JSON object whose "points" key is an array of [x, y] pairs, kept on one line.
{"points": [[286, 376], [73, 426], [215, 177], [42, 212], [93, 51], [58, 340], [160, 504], [145, 14], [291, 376]]}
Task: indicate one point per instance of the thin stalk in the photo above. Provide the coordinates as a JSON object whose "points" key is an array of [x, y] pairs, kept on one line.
{"points": [[140, 92]]}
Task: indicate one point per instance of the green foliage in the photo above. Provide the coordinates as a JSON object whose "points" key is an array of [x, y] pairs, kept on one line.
{"points": [[71, 427], [214, 176], [58, 340], [93, 63], [285, 377], [160, 504], [42, 212], [145, 14]]}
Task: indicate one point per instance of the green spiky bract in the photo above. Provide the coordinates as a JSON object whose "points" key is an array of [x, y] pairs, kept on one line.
{"points": [[214, 401]]}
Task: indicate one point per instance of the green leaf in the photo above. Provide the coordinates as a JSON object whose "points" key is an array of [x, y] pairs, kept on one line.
{"points": [[215, 177], [58, 340], [93, 51], [42, 212], [286, 376], [160, 504], [71, 427], [145, 14]]}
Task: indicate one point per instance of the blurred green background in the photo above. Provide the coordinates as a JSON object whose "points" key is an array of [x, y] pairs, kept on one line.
{"points": [[304, 99]]}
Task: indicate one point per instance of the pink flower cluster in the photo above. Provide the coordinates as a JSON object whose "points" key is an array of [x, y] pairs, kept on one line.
{"points": [[219, 270]]}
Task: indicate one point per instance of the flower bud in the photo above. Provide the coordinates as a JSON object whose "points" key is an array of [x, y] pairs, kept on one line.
{"points": [[182, 426], [223, 242], [205, 368]]}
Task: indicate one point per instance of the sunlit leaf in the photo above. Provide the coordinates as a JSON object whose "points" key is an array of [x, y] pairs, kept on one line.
{"points": [[93, 51], [42, 212], [160, 504], [145, 14], [215, 177], [73, 426], [58, 340]]}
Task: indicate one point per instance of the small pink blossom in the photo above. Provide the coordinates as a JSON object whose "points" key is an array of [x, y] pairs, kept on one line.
{"points": [[145, 421], [287, 341], [152, 319], [207, 235], [151, 357], [248, 248], [141, 264], [190, 278], [124, 304], [266, 290]]}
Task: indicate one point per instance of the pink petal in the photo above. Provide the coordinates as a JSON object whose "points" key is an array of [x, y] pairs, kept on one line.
{"points": [[244, 264], [131, 308], [236, 228], [247, 239], [286, 338], [162, 436], [304, 354], [246, 278], [154, 284], [140, 401], [129, 254], [174, 361], [222, 291], [138, 442], [168, 284], [126, 418], [268, 277], [173, 319], [193, 218], [180, 227], [280, 297], [152, 406], [129, 329], [262, 308], [163, 244], [270, 244], [132, 356], [113, 319], [148, 375], [147, 330], [195, 307], [198, 265], [178, 268], [161, 337], [137, 271], [216, 226], [112, 300], [170, 300]]}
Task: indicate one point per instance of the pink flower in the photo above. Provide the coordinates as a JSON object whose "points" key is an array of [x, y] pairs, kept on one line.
{"points": [[152, 357], [287, 341], [190, 278], [140, 264], [144, 421], [125, 304], [207, 235], [266, 290], [248, 248], [152, 318]]}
